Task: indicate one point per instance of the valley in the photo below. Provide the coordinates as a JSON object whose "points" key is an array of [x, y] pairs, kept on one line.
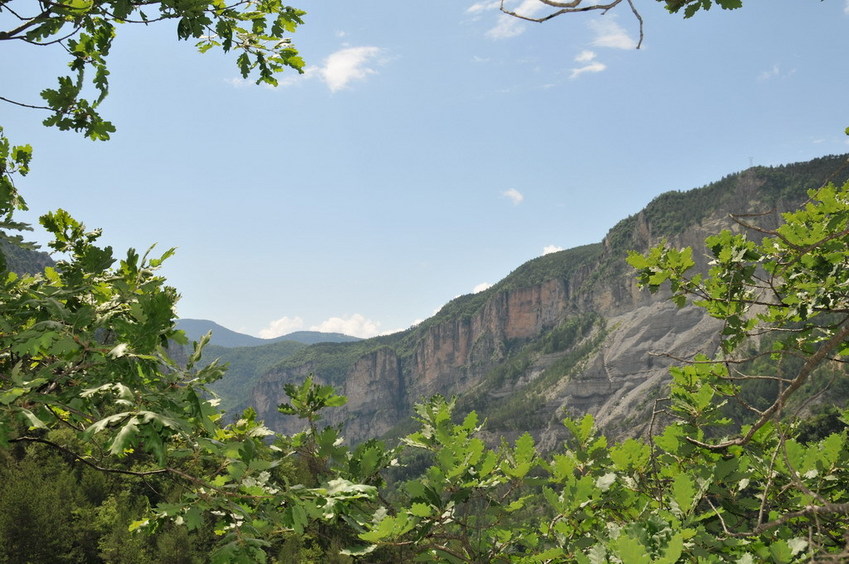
{"points": [[567, 333]]}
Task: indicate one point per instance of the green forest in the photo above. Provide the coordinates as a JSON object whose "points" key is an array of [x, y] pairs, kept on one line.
{"points": [[114, 451]]}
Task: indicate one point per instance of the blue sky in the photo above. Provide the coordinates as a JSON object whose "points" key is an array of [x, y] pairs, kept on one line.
{"points": [[428, 150]]}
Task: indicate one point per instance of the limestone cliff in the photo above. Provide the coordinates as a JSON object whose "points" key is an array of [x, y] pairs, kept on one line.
{"points": [[567, 332]]}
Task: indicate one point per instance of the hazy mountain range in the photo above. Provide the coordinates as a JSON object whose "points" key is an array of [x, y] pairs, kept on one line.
{"points": [[221, 336], [567, 332]]}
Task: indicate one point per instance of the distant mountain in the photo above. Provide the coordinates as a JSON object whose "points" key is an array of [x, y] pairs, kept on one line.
{"points": [[24, 261], [568, 332], [223, 337], [245, 366]]}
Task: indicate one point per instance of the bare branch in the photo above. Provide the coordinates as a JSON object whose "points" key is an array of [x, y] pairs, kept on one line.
{"points": [[88, 462], [825, 509], [812, 363], [21, 104], [574, 7]]}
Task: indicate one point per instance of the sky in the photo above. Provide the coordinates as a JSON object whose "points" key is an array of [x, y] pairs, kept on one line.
{"points": [[428, 150]]}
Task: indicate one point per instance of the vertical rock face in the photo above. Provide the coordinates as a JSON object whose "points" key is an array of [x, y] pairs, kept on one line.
{"points": [[375, 391], [613, 372], [448, 358], [451, 357]]}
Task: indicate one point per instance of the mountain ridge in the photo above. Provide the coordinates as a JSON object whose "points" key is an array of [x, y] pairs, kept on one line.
{"points": [[567, 332], [224, 337]]}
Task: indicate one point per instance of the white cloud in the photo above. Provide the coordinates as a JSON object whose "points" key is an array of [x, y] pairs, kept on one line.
{"points": [[481, 287], [282, 326], [239, 82], [846, 8], [510, 26], [589, 64], [347, 65], [585, 56], [775, 72], [338, 71], [548, 249], [479, 7], [507, 27], [592, 67], [514, 196], [608, 33], [771, 73], [356, 325]]}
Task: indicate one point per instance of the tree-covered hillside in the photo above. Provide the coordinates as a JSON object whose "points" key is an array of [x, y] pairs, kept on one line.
{"points": [[519, 382], [24, 261], [111, 450], [223, 337]]}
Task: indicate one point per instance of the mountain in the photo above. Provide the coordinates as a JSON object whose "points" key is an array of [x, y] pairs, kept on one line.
{"points": [[567, 332], [223, 337], [247, 358], [24, 261], [245, 366]]}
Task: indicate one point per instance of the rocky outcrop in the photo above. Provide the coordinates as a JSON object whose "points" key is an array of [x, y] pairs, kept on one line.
{"points": [[621, 367]]}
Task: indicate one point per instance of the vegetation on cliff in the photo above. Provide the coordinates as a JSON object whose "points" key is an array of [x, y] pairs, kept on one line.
{"points": [[469, 325], [698, 487], [105, 437]]}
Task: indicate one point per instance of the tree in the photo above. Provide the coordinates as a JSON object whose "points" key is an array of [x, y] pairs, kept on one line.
{"points": [[85, 368], [86, 29], [555, 9], [698, 490], [85, 371]]}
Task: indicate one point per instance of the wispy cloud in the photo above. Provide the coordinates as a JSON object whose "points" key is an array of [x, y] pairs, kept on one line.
{"points": [[775, 72], [588, 64], [282, 326], [356, 325], [610, 34], [480, 7], [846, 8], [481, 287], [584, 57], [514, 196], [348, 65], [771, 73], [509, 26], [338, 71], [548, 249]]}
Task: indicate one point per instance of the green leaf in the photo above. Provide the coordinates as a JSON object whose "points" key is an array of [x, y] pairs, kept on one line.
{"points": [[630, 550], [125, 436], [780, 551], [421, 510], [683, 493]]}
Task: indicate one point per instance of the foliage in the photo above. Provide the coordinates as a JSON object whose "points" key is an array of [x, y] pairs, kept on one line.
{"points": [[244, 367], [14, 159], [688, 494], [85, 30], [83, 348], [91, 400], [556, 8], [86, 373], [782, 186]]}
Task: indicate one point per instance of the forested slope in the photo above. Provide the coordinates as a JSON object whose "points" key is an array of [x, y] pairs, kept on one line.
{"points": [[567, 332]]}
